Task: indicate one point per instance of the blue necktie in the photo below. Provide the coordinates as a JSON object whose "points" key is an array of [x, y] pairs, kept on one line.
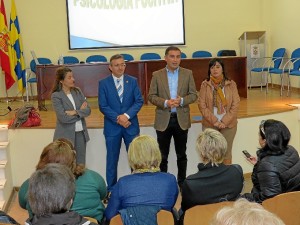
{"points": [[120, 89]]}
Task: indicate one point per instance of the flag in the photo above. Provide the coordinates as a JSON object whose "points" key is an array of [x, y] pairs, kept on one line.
{"points": [[5, 49], [17, 59]]}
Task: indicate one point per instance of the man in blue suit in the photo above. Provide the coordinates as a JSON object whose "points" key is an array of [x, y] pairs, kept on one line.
{"points": [[120, 100]]}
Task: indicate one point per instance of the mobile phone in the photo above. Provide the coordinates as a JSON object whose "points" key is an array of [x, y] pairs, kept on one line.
{"points": [[246, 153]]}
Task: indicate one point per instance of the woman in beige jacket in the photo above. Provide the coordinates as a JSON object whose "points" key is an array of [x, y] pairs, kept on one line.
{"points": [[218, 102]]}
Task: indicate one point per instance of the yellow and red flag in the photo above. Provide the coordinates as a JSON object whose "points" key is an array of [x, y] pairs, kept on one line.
{"points": [[5, 49], [17, 62]]}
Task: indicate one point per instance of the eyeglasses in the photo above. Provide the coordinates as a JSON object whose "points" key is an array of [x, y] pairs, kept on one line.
{"points": [[261, 126]]}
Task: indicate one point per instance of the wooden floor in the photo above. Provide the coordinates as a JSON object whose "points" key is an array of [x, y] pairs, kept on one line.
{"points": [[258, 103]]}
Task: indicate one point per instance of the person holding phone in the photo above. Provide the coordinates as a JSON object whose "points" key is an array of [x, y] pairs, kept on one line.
{"points": [[277, 165]]}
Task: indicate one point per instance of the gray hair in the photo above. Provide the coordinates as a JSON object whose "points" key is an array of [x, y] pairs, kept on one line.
{"points": [[211, 146], [51, 189]]}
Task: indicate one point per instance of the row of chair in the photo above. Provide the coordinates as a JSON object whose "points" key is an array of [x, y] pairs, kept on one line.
{"points": [[266, 66], [286, 206]]}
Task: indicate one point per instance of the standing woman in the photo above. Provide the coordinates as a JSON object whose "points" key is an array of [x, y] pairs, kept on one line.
{"points": [[218, 102], [71, 108]]}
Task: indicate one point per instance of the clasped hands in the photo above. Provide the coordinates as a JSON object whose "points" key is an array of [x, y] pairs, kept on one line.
{"points": [[123, 121], [74, 112], [219, 125], [173, 103]]}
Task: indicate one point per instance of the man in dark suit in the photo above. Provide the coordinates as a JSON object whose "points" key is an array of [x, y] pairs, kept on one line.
{"points": [[172, 89], [120, 100]]}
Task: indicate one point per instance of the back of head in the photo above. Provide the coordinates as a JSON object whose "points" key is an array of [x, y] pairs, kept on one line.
{"points": [[60, 151], [244, 212], [51, 190], [277, 135], [144, 154], [211, 146]]}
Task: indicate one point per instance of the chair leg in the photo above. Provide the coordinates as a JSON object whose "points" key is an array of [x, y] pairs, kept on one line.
{"points": [[261, 80], [250, 80]]}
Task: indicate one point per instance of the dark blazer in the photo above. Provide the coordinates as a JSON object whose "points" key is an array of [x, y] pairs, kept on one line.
{"points": [[159, 92], [111, 106], [65, 125], [212, 184]]}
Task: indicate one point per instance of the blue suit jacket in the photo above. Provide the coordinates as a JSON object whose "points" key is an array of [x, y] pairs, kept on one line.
{"points": [[111, 106]]}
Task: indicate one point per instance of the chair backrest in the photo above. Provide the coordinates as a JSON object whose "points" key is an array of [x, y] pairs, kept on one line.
{"points": [[278, 53], [183, 55], [96, 58], [127, 57], [165, 217], [70, 60], [116, 220], [42, 61], [286, 206], [150, 56], [226, 53], [201, 54], [296, 55], [203, 214]]}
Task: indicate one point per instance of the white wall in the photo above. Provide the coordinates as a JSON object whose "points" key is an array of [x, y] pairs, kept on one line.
{"points": [[27, 144]]}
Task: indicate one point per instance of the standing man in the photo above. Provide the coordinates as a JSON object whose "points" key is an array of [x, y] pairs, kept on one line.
{"points": [[120, 100], [172, 89]]}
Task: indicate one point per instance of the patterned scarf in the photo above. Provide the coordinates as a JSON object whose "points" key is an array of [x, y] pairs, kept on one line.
{"points": [[218, 96]]}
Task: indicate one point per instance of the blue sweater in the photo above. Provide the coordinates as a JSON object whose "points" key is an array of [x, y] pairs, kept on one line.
{"points": [[157, 189]]}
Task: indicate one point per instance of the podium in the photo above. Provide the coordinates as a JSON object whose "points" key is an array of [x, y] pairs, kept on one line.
{"points": [[252, 45]]}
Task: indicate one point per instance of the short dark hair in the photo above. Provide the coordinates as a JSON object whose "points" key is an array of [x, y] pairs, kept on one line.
{"points": [[276, 134], [212, 63], [51, 189], [116, 56], [172, 48]]}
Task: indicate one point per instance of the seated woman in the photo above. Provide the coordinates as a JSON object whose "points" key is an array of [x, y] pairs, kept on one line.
{"points": [[277, 166], [146, 186], [90, 186], [215, 181]]}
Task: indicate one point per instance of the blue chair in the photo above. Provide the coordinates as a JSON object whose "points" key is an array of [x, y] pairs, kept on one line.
{"points": [[150, 56], [291, 68], [226, 53], [183, 55], [70, 60], [96, 58], [201, 54], [30, 80], [127, 57], [266, 64]]}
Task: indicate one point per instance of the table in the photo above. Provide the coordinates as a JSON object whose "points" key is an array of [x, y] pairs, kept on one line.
{"points": [[87, 75]]}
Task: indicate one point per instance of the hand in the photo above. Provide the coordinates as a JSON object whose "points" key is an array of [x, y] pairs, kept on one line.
{"points": [[252, 160], [177, 101], [123, 121], [71, 112], [84, 105]]}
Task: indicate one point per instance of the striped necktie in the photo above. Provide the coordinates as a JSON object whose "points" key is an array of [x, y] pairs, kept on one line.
{"points": [[120, 89]]}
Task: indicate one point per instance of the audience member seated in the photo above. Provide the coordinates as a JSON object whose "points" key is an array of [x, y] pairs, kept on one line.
{"points": [[90, 186], [245, 213], [146, 186], [50, 195], [215, 181], [277, 166]]}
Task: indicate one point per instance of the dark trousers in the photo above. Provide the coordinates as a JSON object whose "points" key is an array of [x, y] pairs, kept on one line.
{"points": [[180, 140]]}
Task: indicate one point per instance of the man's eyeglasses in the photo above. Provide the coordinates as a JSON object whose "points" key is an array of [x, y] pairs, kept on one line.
{"points": [[262, 126]]}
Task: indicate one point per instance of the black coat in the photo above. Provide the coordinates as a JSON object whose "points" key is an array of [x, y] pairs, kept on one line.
{"points": [[275, 174], [212, 184]]}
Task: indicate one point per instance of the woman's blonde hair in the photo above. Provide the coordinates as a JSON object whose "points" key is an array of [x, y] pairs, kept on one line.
{"points": [[61, 151], [244, 212], [211, 146], [144, 153]]}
